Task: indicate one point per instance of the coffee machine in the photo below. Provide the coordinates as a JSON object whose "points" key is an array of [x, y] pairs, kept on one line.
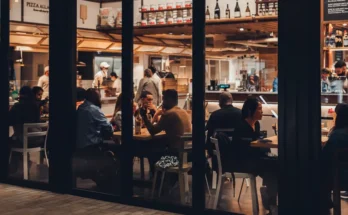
{"points": [[213, 85]]}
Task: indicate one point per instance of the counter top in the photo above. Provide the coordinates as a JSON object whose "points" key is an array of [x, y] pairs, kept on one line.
{"points": [[236, 92]]}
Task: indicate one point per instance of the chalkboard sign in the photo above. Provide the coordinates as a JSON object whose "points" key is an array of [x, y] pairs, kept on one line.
{"points": [[335, 10]]}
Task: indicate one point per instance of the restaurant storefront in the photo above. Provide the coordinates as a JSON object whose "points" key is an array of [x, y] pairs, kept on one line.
{"points": [[272, 50]]}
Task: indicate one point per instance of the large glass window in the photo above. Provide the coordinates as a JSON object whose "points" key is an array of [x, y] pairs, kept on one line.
{"points": [[241, 55], [29, 91]]}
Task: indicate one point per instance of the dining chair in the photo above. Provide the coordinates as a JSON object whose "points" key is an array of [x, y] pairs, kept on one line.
{"points": [[182, 170], [222, 175], [340, 163], [26, 145]]}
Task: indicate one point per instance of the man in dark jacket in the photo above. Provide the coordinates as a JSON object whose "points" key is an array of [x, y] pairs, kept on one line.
{"points": [[226, 118]]}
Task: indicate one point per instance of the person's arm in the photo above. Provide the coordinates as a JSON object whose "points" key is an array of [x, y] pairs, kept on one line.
{"points": [[210, 128], [157, 115], [40, 82], [105, 127], [155, 129]]}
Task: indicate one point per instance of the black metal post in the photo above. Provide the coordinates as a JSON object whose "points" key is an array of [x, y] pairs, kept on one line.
{"points": [[62, 61], [4, 87], [198, 116], [299, 107], [127, 99]]}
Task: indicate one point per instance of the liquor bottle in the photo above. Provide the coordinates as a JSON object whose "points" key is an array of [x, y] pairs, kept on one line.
{"points": [[237, 13], [228, 12], [274, 9], [207, 14], [247, 11], [338, 39], [217, 10], [345, 39], [332, 40]]}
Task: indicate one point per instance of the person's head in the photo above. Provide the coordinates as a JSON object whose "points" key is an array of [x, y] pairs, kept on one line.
{"points": [[47, 70], [38, 91], [93, 96], [26, 94], [225, 99], [146, 99], [340, 68], [148, 73], [104, 66], [153, 69], [342, 117], [113, 76], [325, 73], [252, 109], [118, 105], [170, 99], [80, 94]]}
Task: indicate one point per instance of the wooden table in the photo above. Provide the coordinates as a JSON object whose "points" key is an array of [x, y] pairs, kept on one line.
{"points": [[274, 143], [144, 136]]}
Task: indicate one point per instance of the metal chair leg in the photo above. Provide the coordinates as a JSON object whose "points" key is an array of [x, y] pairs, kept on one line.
{"points": [[154, 185], [254, 195], [161, 186], [241, 188], [206, 181]]}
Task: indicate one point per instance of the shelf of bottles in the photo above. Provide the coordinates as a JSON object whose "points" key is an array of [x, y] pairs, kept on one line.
{"points": [[169, 13], [336, 37], [266, 7]]}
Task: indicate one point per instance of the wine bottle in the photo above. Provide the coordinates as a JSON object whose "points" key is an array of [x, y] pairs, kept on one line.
{"points": [[237, 13], [247, 11], [228, 12], [217, 10], [345, 39], [207, 14]]}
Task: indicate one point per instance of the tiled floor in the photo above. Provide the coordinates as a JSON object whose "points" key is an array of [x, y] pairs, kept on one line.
{"points": [[23, 201]]}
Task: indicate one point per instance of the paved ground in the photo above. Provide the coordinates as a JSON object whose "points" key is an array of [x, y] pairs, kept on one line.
{"points": [[23, 201]]}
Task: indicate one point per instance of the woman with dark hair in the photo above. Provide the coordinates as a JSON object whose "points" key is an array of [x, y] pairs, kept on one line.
{"points": [[338, 140], [43, 104], [255, 160], [116, 120]]}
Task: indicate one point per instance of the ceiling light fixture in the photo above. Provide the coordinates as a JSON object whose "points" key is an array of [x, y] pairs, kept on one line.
{"points": [[241, 29], [344, 24]]}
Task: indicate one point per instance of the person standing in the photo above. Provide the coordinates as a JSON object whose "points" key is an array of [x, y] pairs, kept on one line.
{"points": [[100, 76], [338, 78], [325, 84], [44, 82], [158, 81], [148, 83], [117, 83]]}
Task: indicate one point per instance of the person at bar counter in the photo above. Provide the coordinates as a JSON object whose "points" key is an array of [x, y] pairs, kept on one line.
{"points": [[338, 139], [256, 160], [228, 117], [117, 83], [100, 77], [325, 84], [92, 159], [44, 82], [24, 111], [148, 83], [338, 79]]}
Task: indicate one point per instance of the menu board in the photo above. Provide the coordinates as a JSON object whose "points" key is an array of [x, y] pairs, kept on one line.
{"points": [[335, 10], [36, 11]]}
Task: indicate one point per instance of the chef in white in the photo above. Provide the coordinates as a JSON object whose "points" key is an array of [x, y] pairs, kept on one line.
{"points": [[101, 75], [44, 82]]}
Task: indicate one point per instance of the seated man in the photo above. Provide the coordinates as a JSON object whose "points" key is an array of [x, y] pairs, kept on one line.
{"points": [[227, 117], [91, 159], [174, 121], [146, 102]]}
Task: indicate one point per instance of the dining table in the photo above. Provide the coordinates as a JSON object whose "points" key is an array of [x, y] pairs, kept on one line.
{"points": [[143, 136], [272, 142]]}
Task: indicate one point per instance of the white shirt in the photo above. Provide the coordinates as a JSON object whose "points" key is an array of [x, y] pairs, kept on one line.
{"points": [[44, 83], [117, 85], [158, 81], [99, 76]]}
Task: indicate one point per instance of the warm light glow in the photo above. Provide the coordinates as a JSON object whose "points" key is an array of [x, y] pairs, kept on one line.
{"points": [[23, 48], [241, 29], [16, 1], [344, 24]]}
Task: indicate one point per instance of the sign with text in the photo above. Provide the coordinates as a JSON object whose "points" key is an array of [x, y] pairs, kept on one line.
{"points": [[335, 10], [36, 11]]}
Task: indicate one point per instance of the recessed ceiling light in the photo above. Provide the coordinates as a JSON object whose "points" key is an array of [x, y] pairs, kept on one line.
{"points": [[344, 24], [170, 33], [241, 29]]}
